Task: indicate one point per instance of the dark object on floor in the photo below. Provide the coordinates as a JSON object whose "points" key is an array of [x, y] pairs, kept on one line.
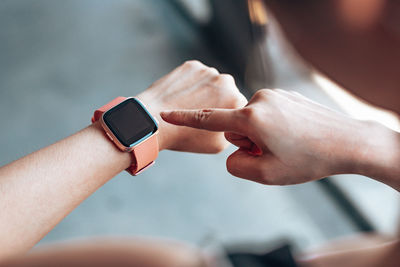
{"points": [[279, 257]]}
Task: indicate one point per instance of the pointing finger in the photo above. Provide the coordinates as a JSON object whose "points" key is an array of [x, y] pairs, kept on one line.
{"points": [[221, 120]]}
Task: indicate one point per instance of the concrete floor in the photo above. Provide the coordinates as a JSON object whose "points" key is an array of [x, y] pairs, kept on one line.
{"points": [[59, 60]]}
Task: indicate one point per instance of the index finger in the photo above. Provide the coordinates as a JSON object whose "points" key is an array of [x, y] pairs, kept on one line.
{"points": [[220, 120]]}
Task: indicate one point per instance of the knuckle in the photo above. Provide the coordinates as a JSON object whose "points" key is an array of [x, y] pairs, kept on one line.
{"points": [[226, 79], [205, 71], [248, 113], [239, 101], [249, 117], [265, 93], [213, 71], [201, 115], [224, 87], [192, 64]]}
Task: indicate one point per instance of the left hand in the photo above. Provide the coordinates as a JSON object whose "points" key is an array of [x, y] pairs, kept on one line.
{"points": [[191, 86]]}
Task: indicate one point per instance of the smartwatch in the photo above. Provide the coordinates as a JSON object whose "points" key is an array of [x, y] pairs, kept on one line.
{"points": [[132, 128]]}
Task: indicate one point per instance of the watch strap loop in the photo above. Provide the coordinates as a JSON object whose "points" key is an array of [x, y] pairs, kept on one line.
{"points": [[147, 155]]}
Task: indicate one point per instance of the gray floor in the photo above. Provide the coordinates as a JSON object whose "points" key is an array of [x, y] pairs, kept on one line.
{"points": [[59, 60]]}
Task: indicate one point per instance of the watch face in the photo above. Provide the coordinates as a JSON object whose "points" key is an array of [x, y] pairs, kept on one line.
{"points": [[130, 122]]}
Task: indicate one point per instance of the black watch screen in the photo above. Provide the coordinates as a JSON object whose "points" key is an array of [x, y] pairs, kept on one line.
{"points": [[130, 122]]}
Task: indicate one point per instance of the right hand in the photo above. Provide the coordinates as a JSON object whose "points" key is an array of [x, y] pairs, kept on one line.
{"points": [[298, 140]]}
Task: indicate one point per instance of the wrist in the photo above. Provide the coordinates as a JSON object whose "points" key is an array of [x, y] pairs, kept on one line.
{"points": [[346, 147], [379, 156], [131, 127], [154, 107], [119, 159]]}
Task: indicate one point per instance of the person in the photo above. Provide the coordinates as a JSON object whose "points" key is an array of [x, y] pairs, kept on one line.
{"points": [[282, 138], [40, 189]]}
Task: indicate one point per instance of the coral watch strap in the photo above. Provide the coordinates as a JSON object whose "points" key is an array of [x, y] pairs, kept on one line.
{"points": [[145, 153]]}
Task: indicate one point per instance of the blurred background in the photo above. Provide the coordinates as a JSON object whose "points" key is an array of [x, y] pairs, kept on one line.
{"points": [[60, 60]]}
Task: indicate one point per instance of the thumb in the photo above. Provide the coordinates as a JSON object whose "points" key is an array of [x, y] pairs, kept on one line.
{"points": [[244, 165], [221, 120]]}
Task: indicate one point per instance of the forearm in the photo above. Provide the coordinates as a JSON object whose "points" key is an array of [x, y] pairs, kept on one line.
{"points": [[39, 190]]}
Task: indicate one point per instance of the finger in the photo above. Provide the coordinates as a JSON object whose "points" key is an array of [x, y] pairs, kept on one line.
{"points": [[242, 141], [234, 136], [243, 165], [222, 120], [238, 140]]}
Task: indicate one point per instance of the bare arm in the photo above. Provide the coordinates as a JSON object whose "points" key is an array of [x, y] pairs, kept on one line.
{"points": [[39, 190]]}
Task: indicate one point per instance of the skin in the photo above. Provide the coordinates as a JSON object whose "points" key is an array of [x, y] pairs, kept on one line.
{"points": [[276, 125], [192, 84], [277, 147], [355, 43], [33, 204]]}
